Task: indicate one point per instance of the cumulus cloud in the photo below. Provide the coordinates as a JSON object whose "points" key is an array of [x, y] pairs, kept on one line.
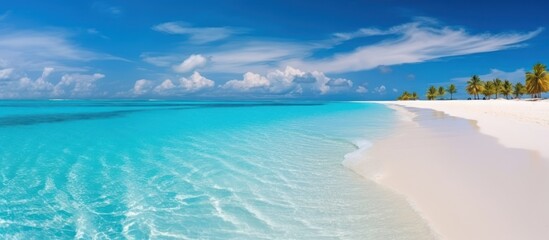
{"points": [[338, 82], [186, 85], [198, 35], [166, 85], [381, 89], [142, 86], [195, 82], [70, 85], [41, 83], [361, 89], [76, 84], [250, 81], [191, 63], [290, 80]]}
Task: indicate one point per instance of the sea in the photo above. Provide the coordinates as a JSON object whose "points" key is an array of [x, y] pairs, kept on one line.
{"points": [[155, 169]]}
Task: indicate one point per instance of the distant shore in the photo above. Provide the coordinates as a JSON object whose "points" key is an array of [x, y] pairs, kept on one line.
{"points": [[472, 169]]}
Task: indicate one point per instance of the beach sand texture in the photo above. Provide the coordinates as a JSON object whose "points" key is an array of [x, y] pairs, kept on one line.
{"points": [[468, 185]]}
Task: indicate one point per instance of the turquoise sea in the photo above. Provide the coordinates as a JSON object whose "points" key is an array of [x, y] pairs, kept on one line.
{"points": [[194, 170]]}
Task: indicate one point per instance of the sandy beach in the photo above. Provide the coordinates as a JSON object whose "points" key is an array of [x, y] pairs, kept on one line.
{"points": [[472, 169]]}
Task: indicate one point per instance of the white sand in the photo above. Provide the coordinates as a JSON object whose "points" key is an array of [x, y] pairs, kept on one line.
{"points": [[465, 184], [516, 124]]}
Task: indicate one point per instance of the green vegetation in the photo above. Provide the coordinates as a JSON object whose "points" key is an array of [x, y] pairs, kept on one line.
{"points": [[519, 90], [475, 86], [488, 90], [537, 81], [452, 90], [441, 92], [507, 89], [408, 96], [432, 93], [498, 86]]}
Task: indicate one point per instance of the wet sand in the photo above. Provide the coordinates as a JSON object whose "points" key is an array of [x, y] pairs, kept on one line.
{"points": [[466, 184]]}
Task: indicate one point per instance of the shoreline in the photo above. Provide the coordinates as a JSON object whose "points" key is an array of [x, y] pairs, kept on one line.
{"points": [[462, 181], [514, 123]]}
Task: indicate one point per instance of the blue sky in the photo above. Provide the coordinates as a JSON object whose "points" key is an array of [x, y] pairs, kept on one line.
{"points": [[233, 50]]}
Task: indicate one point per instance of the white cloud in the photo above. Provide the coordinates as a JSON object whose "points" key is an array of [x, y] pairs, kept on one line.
{"points": [[26, 87], [196, 34], [164, 86], [361, 89], [191, 63], [107, 8], [340, 82], [195, 82], [363, 32], [70, 85], [250, 81], [385, 69], [369, 32], [93, 31], [34, 50], [381, 89], [395, 90], [41, 83], [5, 73], [76, 84], [514, 76], [258, 56], [142, 86], [415, 42], [291, 80], [159, 61], [186, 85]]}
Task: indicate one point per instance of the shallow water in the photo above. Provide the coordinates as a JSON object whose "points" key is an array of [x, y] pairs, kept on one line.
{"points": [[188, 170]]}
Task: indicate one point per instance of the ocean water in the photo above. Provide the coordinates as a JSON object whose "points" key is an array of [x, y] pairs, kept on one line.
{"points": [[194, 170]]}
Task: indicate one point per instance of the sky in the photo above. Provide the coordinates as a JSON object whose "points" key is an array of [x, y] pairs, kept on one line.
{"points": [[262, 50]]}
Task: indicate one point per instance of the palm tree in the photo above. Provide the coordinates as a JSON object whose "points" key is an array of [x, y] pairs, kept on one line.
{"points": [[537, 81], [498, 86], [488, 90], [441, 92], [414, 96], [405, 96], [507, 89], [431, 93], [519, 90], [475, 86], [451, 90]]}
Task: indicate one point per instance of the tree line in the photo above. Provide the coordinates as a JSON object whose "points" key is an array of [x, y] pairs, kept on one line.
{"points": [[536, 83], [432, 93]]}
